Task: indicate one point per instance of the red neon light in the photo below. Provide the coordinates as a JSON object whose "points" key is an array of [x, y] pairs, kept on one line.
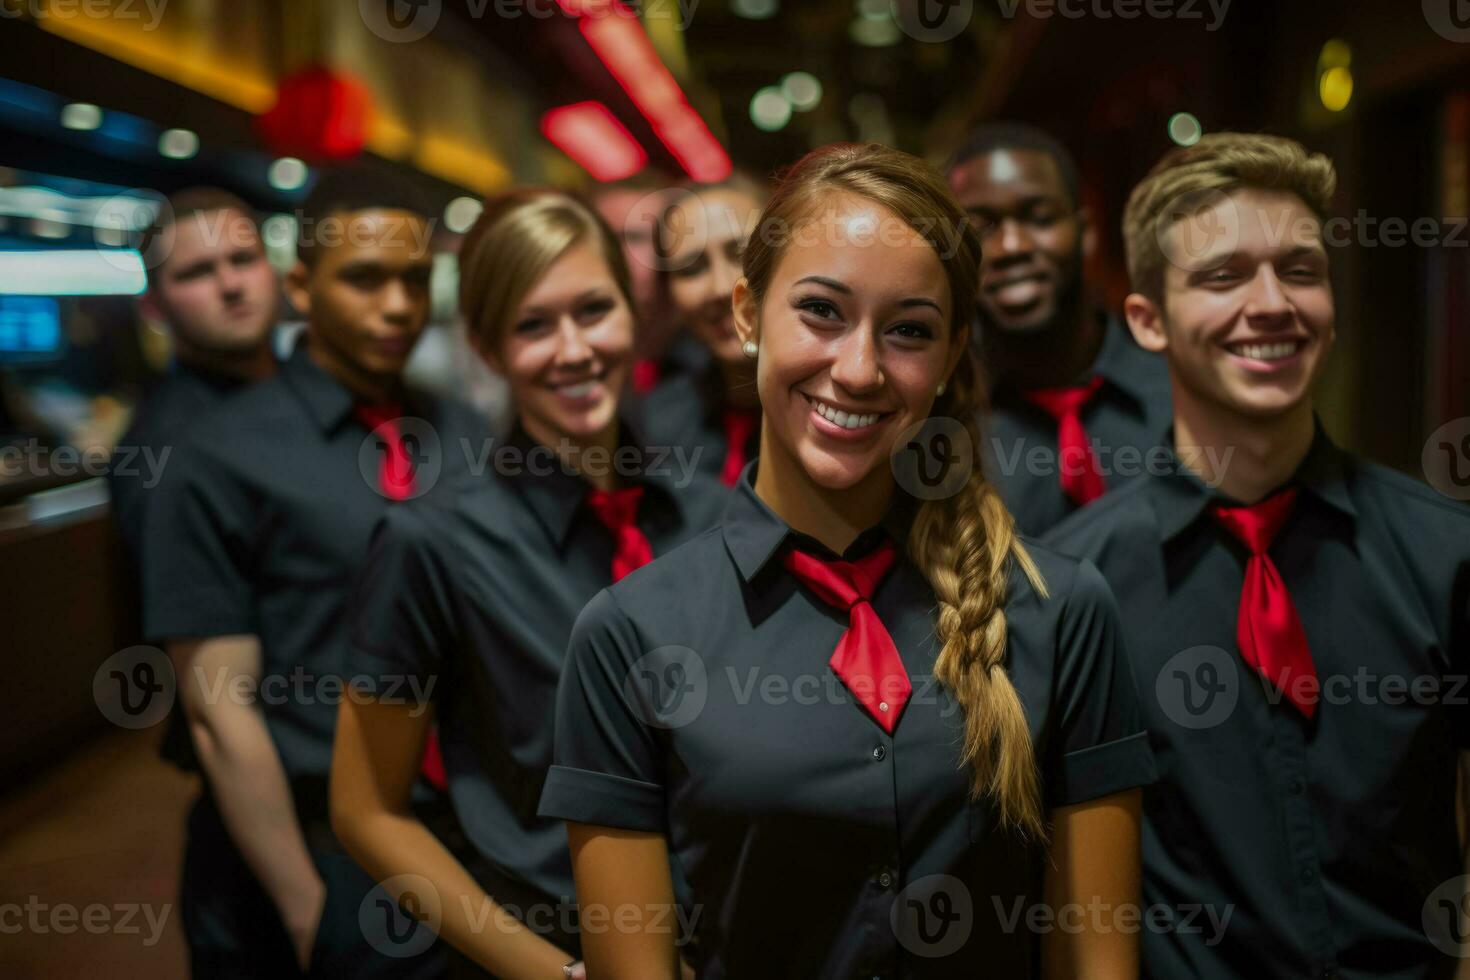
{"points": [[613, 32], [591, 135]]}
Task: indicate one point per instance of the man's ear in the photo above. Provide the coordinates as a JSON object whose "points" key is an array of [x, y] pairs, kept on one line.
{"points": [[747, 317], [298, 287], [1146, 321]]}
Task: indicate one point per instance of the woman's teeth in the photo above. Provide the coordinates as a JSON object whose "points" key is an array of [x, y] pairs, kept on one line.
{"points": [[844, 419], [1266, 352], [579, 390]]}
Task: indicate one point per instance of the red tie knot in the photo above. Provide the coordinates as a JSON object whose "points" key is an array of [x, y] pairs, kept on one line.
{"points": [[615, 508], [1061, 403], [377, 414], [843, 583], [1255, 526]]}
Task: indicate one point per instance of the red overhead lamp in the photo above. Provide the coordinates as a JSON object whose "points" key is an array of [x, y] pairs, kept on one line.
{"points": [[619, 40], [591, 135], [320, 115]]}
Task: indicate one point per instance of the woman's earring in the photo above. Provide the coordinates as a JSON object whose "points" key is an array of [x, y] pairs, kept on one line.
{"points": [[749, 348], [940, 390]]}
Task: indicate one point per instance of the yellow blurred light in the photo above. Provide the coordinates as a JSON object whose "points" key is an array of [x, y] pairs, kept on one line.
{"points": [[388, 136], [1336, 89], [460, 164], [1336, 53], [123, 39]]}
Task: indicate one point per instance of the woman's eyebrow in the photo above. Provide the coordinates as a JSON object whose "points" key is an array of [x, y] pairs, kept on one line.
{"points": [[834, 284]]}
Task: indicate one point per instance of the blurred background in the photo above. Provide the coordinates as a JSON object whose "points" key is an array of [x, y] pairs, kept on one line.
{"points": [[107, 104]]}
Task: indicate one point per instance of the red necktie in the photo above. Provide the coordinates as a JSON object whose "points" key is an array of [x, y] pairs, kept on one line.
{"points": [[739, 423], [1081, 478], [1268, 628], [395, 474], [395, 481], [618, 509], [865, 658], [646, 375]]}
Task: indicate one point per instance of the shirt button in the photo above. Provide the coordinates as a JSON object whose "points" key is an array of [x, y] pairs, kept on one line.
{"points": [[1308, 875], [879, 753], [885, 879], [882, 705]]}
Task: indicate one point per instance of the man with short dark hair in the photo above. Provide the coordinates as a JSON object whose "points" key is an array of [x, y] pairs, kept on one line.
{"points": [[210, 284], [1075, 404], [262, 525]]}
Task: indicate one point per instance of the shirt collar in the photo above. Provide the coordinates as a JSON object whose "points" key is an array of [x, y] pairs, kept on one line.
{"points": [[1122, 364], [216, 381], [555, 492], [755, 534], [1180, 497], [328, 401]]}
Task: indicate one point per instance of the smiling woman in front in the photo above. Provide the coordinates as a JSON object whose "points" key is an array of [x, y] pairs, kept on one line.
{"points": [[874, 731]]}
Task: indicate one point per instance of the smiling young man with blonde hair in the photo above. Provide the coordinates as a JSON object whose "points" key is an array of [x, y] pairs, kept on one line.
{"points": [[1298, 620]]}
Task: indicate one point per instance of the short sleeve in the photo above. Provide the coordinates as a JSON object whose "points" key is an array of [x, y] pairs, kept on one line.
{"points": [[401, 613], [1100, 745], [607, 769], [197, 551]]}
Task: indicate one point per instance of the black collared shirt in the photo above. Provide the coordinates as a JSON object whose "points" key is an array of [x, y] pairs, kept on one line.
{"points": [[698, 703], [168, 409], [1125, 423], [685, 412], [474, 595], [261, 526], [1325, 838]]}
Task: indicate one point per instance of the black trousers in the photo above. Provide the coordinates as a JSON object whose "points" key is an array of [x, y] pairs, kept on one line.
{"points": [[235, 933]]}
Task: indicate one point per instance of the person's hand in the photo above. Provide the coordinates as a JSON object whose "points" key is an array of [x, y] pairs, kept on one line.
{"points": [[303, 920], [576, 970]]}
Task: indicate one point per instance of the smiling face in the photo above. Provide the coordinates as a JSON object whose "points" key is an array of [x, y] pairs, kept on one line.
{"points": [[1246, 322], [566, 350], [1033, 235], [855, 337], [703, 235]]}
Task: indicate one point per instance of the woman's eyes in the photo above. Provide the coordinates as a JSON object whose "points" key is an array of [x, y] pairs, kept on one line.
{"points": [[827, 310], [594, 310], [912, 330], [822, 308]]}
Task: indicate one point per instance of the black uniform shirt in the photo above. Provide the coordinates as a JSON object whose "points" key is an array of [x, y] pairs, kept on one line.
{"points": [[474, 595], [168, 409], [1324, 838], [261, 525], [1125, 422], [685, 412], [697, 702]]}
